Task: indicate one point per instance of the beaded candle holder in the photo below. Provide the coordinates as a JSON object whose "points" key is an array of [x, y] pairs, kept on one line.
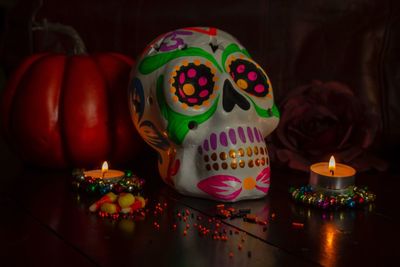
{"points": [[331, 186], [83, 182], [353, 197]]}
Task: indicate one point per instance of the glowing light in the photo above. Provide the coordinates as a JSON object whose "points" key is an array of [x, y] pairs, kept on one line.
{"points": [[332, 164], [330, 234], [104, 167]]}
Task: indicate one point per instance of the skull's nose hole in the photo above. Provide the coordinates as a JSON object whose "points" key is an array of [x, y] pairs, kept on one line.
{"points": [[214, 47], [231, 98], [192, 125], [150, 100]]}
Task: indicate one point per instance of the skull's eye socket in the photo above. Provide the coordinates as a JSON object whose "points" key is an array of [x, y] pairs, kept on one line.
{"points": [[193, 84], [249, 77]]}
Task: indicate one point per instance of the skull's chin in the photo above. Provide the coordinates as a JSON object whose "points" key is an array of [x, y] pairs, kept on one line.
{"points": [[229, 165]]}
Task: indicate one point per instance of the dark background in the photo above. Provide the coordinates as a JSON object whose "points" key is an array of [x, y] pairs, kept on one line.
{"points": [[353, 42]]}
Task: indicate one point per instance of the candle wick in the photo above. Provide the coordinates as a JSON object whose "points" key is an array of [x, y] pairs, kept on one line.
{"points": [[332, 172]]}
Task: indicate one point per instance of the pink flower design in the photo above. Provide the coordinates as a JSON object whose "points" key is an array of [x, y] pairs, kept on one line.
{"points": [[227, 187], [262, 180]]}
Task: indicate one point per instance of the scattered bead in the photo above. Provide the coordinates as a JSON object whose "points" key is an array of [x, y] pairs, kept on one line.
{"points": [[250, 218], [297, 225]]}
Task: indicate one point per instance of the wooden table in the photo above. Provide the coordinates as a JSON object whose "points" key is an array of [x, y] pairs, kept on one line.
{"points": [[44, 223]]}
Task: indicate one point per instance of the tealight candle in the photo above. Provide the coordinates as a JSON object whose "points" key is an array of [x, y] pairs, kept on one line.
{"points": [[332, 176], [108, 176]]}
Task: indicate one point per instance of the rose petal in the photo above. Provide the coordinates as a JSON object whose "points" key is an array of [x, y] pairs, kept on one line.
{"points": [[323, 118]]}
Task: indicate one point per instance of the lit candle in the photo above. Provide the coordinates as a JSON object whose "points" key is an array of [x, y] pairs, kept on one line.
{"points": [[107, 175], [332, 176]]}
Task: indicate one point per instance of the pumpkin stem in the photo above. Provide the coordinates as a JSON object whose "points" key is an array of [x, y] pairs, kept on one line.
{"points": [[79, 45]]}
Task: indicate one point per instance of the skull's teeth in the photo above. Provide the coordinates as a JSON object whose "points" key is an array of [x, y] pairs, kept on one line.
{"points": [[235, 148], [244, 135], [237, 159]]}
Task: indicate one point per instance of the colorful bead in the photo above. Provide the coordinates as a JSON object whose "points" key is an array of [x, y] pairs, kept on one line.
{"points": [[356, 197], [130, 183]]}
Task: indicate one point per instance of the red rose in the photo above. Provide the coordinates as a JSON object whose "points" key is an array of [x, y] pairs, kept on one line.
{"points": [[324, 119]]}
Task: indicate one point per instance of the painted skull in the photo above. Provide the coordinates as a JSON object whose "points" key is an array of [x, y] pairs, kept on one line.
{"points": [[198, 98]]}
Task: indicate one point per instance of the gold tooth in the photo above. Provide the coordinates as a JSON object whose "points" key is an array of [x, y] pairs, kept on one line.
{"points": [[263, 161], [241, 163], [215, 166], [208, 167], [214, 156], [232, 153], [224, 165], [251, 163], [206, 158], [233, 165], [249, 151], [222, 156], [255, 150], [241, 152], [257, 162], [262, 150]]}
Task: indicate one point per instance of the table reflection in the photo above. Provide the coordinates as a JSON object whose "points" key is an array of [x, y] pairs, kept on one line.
{"points": [[330, 230]]}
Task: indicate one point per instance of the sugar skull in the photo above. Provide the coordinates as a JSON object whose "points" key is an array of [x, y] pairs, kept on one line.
{"points": [[198, 98]]}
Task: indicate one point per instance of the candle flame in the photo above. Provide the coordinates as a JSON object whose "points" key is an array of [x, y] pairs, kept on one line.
{"points": [[332, 164], [104, 167]]}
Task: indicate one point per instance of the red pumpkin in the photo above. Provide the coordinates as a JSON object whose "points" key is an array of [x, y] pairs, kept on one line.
{"points": [[70, 111]]}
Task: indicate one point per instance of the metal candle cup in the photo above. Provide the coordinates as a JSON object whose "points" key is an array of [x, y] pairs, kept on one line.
{"points": [[338, 181], [108, 176]]}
